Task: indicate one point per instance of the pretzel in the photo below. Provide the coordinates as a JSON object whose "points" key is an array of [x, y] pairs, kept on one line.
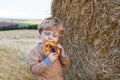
{"points": [[49, 47]]}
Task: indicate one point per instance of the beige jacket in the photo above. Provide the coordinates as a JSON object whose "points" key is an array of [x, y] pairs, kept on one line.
{"points": [[43, 72]]}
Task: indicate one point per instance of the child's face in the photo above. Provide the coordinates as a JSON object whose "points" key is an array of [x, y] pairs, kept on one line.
{"points": [[49, 35]]}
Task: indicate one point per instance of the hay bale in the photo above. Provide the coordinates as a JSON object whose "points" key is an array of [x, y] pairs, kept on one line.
{"points": [[92, 38]]}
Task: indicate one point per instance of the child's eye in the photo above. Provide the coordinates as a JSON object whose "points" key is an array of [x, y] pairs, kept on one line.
{"points": [[54, 35], [47, 33]]}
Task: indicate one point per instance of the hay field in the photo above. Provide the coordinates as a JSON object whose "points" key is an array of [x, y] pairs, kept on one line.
{"points": [[15, 46], [30, 22]]}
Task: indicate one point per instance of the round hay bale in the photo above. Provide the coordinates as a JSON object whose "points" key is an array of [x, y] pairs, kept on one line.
{"points": [[92, 38]]}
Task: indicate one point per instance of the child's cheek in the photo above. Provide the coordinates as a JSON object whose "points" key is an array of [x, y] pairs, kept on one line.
{"points": [[56, 40], [45, 38]]}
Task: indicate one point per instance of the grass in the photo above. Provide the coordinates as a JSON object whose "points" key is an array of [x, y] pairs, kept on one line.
{"points": [[14, 53]]}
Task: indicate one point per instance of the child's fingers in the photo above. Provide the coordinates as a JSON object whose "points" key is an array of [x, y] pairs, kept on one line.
{"points": [[52, 57], [54, 54], [59, 46]]}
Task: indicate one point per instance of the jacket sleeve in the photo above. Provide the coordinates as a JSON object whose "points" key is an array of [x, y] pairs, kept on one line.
{"points": [[36, 65], [64, 60]]}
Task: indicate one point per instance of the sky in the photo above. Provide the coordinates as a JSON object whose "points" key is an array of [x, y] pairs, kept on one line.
{"points": [[25, 9]]}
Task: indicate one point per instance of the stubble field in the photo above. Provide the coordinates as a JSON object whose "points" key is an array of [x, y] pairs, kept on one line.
{"points": [[15, 46]]}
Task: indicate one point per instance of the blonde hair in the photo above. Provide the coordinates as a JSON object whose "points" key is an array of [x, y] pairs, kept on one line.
{"points": [[51, 23]]}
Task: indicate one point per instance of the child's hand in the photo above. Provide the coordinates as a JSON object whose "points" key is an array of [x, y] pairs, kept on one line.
{"points": [[60, 50], [52, 57]]}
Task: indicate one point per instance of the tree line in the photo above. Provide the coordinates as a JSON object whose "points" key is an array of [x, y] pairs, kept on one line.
{"points": [[17, 27]]}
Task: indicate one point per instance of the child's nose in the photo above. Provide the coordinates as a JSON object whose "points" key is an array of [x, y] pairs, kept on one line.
{"points": [[50, 37]]}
